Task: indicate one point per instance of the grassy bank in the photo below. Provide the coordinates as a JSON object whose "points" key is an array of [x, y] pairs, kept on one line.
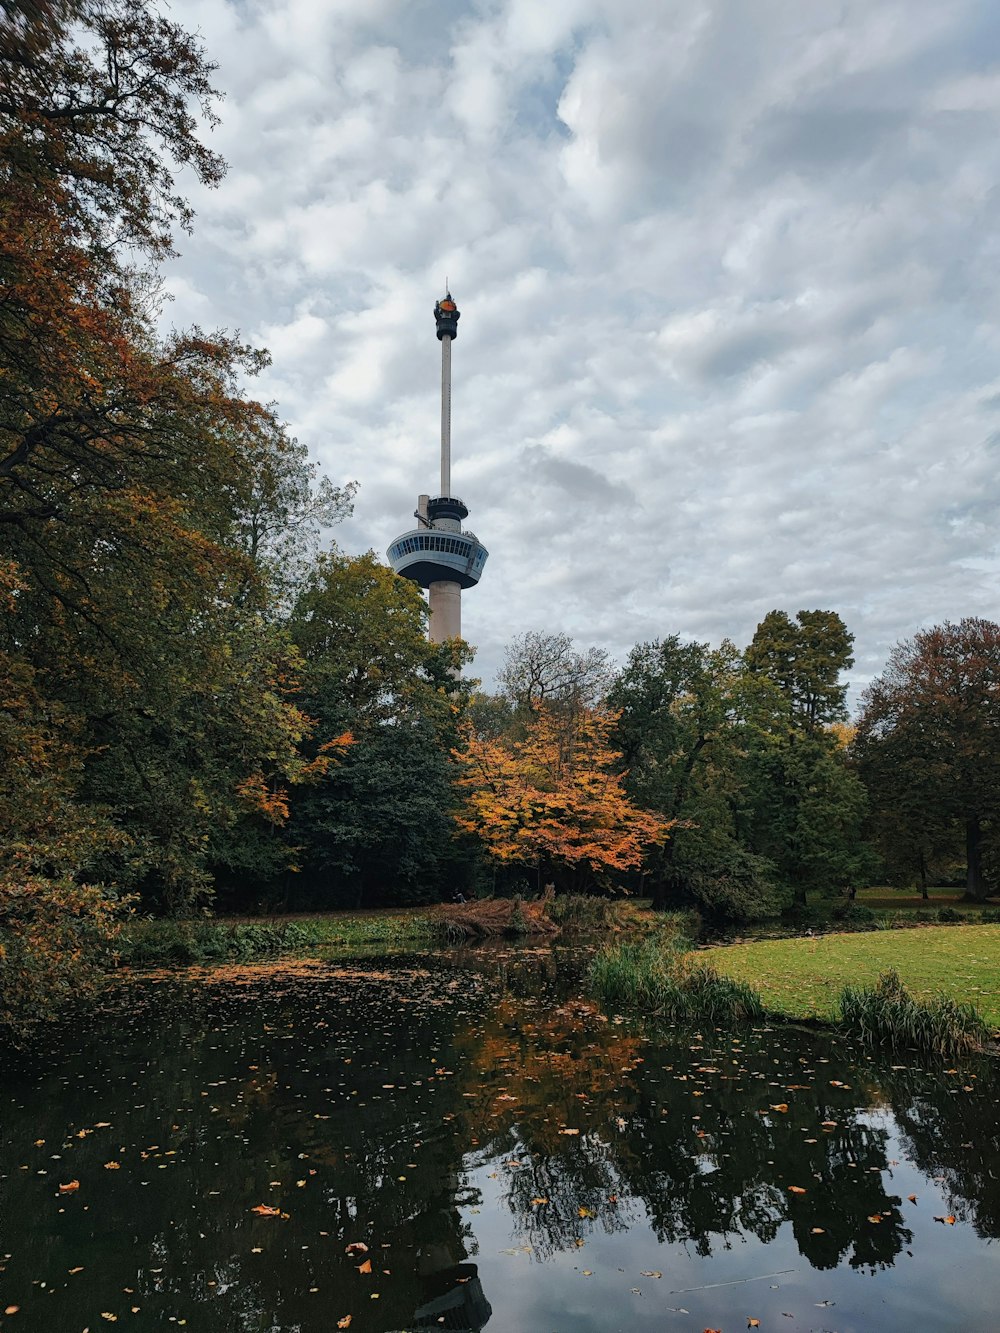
{"points": [[803, 978], [157, 943]]}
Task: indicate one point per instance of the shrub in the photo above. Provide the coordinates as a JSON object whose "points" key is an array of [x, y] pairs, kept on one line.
{"points": [[922, 915], [659, 980], [54, 938], [887, 1015], [948, 915], [581, 911], [854, 914], [991, 916]]}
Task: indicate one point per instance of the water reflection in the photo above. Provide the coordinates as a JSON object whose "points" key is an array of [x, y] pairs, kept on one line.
{"points": [[410, 1140]]}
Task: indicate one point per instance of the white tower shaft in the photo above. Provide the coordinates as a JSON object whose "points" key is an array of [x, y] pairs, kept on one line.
{"points": [[445, 601], [446, 416]]}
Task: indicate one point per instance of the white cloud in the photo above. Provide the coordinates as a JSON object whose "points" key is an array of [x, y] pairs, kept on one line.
{"points": [[728, 281]]}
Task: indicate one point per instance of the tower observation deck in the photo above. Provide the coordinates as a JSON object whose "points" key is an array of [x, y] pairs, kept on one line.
{"points": [[438, 553]]}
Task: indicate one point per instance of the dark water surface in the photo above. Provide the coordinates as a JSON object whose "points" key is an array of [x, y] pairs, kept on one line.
{"points": [[512, 1161]]}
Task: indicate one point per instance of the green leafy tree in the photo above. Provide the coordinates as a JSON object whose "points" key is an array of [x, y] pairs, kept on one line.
{"points": [[805, 805], [377, 827], [685, 712]]}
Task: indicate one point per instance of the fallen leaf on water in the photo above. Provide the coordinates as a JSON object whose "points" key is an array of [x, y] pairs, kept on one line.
{"points": [[265, 1210], [112, 1166], [875, 1217], [569, 1131], [912, 1198], [753, 1323], [357, 1247], [584, 1212], [781, 1106], [950, 1219], [70, 1187], [345, 1322], [796, 1189], [12, 1309], [540, 1199], [650, 1273], [818, 1231], [366, 1267]]}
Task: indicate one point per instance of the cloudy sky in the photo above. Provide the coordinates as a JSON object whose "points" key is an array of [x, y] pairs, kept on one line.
{"points": [[728, 281]]}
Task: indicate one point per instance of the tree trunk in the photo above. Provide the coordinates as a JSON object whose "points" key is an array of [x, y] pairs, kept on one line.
{"points": [[975, 889], [923, 876]]}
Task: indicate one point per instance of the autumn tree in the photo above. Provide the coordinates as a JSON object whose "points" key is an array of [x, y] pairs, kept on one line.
{"points": [[928, 737], [132, 470], [553, 802]]}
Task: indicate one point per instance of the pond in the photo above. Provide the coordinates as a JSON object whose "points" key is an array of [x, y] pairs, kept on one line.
{"points": [[463, 1141]]}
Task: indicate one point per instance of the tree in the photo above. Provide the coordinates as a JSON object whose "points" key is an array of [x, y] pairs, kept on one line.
{"points": [[928, 736], [554, 801], [128, 466], [685, 711], [547, 669], [805, 660], [377, 826], [805, 806]]}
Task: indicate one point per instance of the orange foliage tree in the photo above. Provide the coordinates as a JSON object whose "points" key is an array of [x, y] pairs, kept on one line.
{"points": [[553, 801]]}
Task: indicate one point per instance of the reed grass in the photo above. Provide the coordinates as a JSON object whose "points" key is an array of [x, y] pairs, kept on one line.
{"points": [[887, 1015], [657, 978]]}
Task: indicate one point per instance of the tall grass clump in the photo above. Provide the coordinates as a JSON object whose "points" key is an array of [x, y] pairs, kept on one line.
{"points": [[581, 911], [656, 978], [887, 1015]]}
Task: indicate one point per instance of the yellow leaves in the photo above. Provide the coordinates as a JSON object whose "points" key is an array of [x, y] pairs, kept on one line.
{"points": [[796, 1189], [366, 1267], [258, 796], [345, 1322], [782, 1107], [584, 1212], [265, 1210], [70, 1187], [112, 1166], [539, 1200], [556, 792], [753, 1323]]}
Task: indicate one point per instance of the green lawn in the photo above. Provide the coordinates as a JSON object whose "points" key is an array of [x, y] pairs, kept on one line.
{"points": [[803, 977], [882, 898]]}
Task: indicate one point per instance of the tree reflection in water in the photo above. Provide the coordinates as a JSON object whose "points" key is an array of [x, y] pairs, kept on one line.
{"points": [[395, 1110]]}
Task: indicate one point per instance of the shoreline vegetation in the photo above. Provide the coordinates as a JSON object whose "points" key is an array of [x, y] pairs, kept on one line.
{"points": [[943, 1006], [919, 985]]}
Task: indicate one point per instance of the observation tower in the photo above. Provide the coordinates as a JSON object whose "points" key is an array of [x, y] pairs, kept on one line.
{"points": [[437, 553]]}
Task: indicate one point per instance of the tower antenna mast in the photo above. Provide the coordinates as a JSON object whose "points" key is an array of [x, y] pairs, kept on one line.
{"points": [[439, 555]]}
